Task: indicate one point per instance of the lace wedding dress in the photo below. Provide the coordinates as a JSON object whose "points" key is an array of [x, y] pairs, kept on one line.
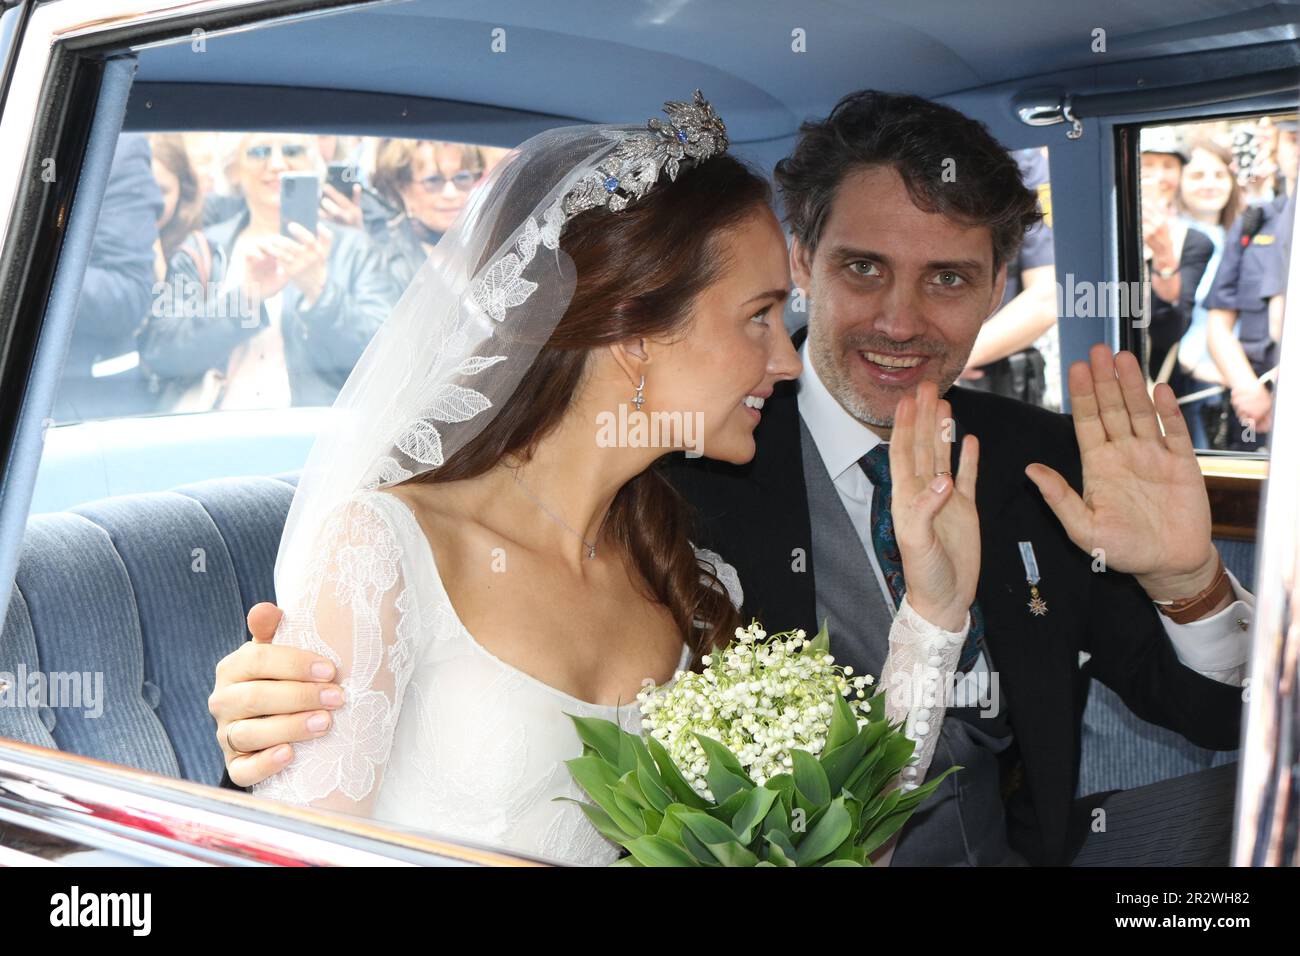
{"points": [[439, 734]]}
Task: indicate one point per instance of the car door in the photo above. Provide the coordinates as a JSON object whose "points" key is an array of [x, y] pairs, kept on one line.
{"points": [[70, 72]]}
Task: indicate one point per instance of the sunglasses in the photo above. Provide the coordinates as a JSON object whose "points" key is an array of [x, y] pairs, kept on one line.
{"points": [[463, 181], [260, 154]]}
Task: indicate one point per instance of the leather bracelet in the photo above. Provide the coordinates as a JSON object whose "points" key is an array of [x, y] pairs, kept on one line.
{"points": [[1187, 610]]}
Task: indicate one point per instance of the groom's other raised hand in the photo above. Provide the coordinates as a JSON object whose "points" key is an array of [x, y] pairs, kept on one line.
{"points": [[1144, 508], [935, 520], [267, 696]]}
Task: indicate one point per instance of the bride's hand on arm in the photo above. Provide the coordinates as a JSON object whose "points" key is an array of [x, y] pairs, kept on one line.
{"points": [[266, 696], [935, 521]]}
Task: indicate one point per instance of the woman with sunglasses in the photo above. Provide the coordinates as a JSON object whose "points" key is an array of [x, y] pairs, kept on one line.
{"points": [[426, 183], [251, 318]]}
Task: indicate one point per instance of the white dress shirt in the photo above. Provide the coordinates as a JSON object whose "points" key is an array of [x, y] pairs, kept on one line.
{"points": [[1217, 646]]}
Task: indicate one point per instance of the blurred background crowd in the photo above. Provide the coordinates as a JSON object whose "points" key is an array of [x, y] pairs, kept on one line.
{"points": [[249, 270], [1216, 206], [204, 293]]}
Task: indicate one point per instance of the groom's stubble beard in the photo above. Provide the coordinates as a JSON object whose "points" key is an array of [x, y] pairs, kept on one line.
{"points": [[832, 355]]}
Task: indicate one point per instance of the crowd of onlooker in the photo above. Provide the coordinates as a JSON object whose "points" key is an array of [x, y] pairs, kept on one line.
{"points": [[1218, 202], [199, 295]]}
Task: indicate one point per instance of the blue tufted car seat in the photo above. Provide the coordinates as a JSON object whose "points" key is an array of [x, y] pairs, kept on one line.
{"points": [[1121, 750], [149, 591]]}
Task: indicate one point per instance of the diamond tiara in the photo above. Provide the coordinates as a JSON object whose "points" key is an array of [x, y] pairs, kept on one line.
{"points": [[693, 133]]}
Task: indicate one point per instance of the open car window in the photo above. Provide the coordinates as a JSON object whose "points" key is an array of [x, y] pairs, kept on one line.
{"points": [[234, 279], [1216, 201]]}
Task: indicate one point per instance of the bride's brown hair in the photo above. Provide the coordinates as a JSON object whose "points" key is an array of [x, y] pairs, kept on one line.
{"points": [[639, 272]]}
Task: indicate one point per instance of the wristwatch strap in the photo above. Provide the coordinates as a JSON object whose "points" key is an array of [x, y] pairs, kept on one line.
{"points": [[1187, 610]]}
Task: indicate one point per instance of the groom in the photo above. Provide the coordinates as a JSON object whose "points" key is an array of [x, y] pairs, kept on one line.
{"points": [[900, 267]]}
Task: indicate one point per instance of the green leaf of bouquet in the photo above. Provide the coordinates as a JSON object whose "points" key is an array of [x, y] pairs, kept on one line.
{"points": [[672, 777], [917, 796], [596, 777], [897, 751], [708, 828], [724, 785], [780, 850], [726, 810], [783, 782], [602, 821], [628, 798], [652, 784], [695, 846], [601, 735], [719, 755], [883, 830], [626, 751], [733, 854], [810, 779], [860, 782], [656, 851], [841, 863], [821, 642], [671, 827], [877, 703], [889, 807], [756, 806], [651, 821], [844, 726], [827, 834], [840, 763], [777, 820]]}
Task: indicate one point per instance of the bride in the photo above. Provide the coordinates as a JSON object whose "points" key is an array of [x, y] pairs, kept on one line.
{"points": [[474, 555]]}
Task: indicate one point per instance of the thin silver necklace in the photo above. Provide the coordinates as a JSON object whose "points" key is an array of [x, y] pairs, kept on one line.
{"points": [[591, 548]]}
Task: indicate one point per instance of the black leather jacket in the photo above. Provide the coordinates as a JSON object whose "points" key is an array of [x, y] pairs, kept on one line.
{"points": [[190, 331]]}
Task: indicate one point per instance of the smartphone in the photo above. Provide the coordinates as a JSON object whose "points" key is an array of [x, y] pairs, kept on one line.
{"points": [[299, 201], [342, 176]]}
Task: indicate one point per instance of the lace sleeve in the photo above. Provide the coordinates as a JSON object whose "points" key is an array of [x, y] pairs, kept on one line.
{"points": [[922, 658], [351, 611]]}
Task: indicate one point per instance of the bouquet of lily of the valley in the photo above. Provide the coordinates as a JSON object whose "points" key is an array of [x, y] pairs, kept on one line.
{"points": [[773, 756]]}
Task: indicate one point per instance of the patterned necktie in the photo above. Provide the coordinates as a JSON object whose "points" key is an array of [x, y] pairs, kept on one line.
{"points": [[876, 465]]}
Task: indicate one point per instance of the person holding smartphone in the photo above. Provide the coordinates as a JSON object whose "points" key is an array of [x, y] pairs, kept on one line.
{"points": [[267, 308], [1175, 255]]}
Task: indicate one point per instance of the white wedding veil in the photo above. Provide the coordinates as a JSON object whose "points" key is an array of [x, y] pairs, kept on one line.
{"points": [[474, 317]]}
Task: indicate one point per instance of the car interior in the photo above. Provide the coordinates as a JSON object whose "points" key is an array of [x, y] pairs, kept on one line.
{"points": [[137, 543]]}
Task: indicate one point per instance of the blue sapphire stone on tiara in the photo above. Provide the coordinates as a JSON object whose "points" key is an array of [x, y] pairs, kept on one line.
{"points": [[693, 134]]}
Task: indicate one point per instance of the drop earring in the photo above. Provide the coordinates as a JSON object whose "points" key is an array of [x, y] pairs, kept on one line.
{"points": [[639, 398]]}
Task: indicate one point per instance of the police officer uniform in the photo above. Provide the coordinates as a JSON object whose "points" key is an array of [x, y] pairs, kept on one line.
{"points": [[1253, 269], [1022, 375]]}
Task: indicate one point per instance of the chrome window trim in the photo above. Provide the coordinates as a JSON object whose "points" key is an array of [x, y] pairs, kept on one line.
{"points": [[162, 820]]}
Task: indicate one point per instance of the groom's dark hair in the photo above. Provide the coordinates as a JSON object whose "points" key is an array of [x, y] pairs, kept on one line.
{"points": [[920, 139]]}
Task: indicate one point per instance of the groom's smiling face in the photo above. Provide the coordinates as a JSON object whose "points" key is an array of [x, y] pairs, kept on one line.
{"points": [[896, 295]]}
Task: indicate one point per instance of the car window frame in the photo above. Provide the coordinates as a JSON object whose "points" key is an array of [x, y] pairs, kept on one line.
{"points": [[59, 61]]}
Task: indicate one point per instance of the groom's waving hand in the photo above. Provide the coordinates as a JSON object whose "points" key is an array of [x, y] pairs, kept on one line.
{"points": [[1144, 509]]}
